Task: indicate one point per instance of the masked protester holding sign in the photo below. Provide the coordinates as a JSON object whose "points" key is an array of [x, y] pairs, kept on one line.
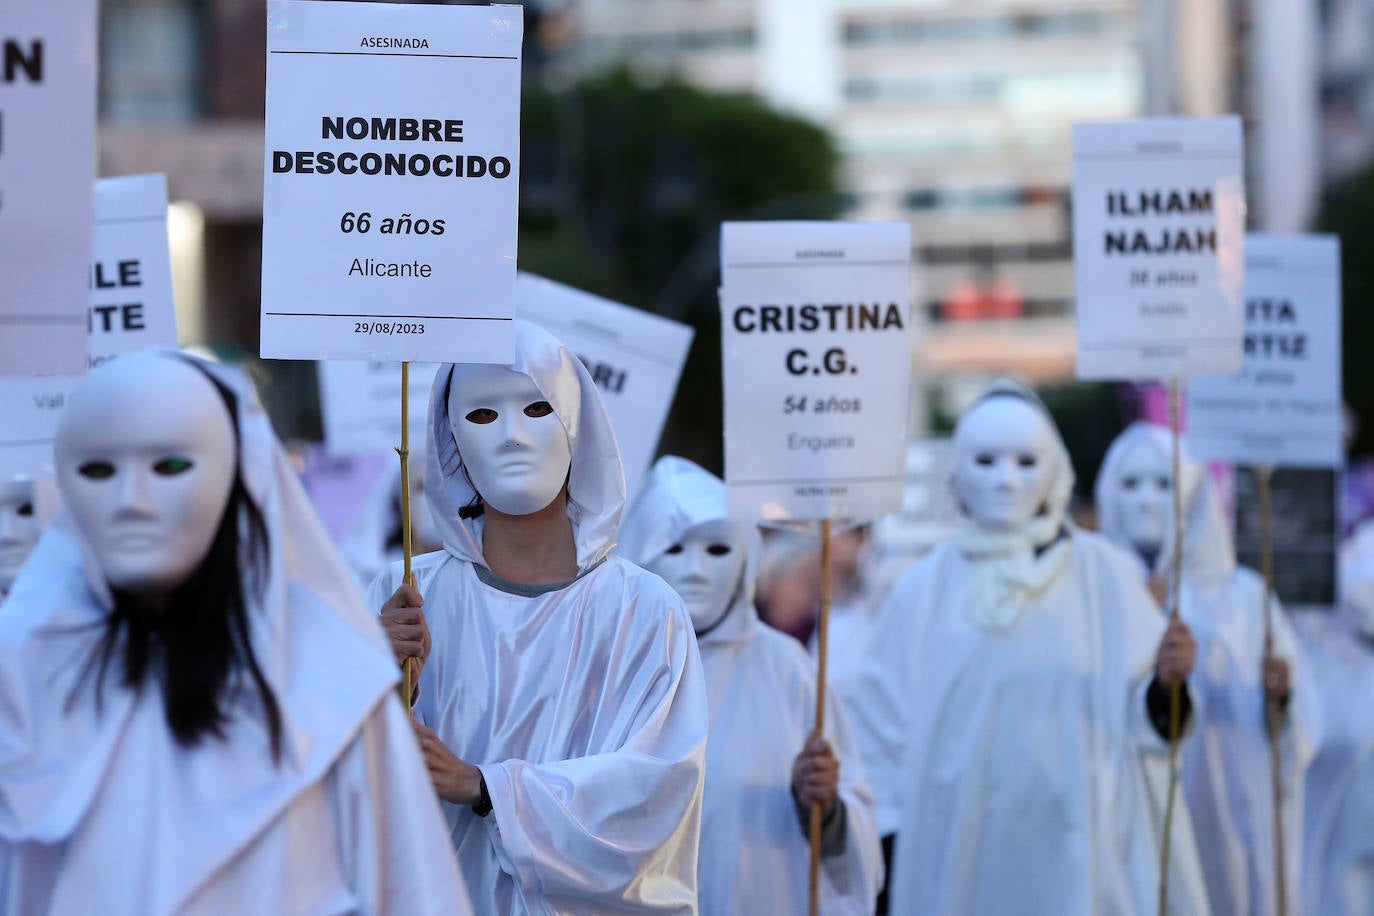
{"points": [[197, 714], [564, 713], [762, 768], [19, 529], [1226, 776], [1015, 697]]}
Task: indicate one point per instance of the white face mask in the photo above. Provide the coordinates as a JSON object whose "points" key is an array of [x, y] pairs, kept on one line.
{"points": [[704, 567], [513, 445], [18, 529], [1005, 461], [1144, 492], [145, 461]]}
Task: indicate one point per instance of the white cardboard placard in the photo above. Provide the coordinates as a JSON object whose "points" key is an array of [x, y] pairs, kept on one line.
{"points": [[130, 307], [635, 358], [1284, 408], [816, 345], [1158, 229], [361, 406], [47, 163], [391, 180]]}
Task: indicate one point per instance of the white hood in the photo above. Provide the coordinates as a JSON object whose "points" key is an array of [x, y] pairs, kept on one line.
{"points": [[308, 625], [1208, 550], [596, 485]]}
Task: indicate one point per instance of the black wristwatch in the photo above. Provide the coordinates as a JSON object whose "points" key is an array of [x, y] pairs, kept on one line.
{"points": [[482, 807]]}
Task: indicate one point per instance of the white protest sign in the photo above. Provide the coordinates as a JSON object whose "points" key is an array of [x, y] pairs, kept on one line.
{"points": [[130, 307], [634, 357], [361, 405], [47, 163], [815, 338], [1284, 409], [1158, 239], [391, 180]]}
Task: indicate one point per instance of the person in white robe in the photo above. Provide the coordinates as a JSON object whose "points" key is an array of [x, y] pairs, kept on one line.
{"points": [[1338, 847], [763, 767], [21, 522], [1226, 765], [1016, 699], [561, 698], [197, 713]]}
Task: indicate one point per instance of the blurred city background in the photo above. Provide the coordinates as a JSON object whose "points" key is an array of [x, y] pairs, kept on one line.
{"points": [[648, 122]]}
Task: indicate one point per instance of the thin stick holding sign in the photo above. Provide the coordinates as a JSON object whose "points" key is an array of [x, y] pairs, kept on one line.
{"points": [[822, 654], [1272, 707], [407, 686], [1175, 689]]}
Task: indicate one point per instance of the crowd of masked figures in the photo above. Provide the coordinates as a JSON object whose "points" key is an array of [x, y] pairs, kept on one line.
{"points": [[202, 709]]}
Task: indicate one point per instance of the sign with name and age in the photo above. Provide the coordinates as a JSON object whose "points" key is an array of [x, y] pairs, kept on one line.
{"points": [[1158, 240], [816, 344], [1284, 408], [391, 181]]}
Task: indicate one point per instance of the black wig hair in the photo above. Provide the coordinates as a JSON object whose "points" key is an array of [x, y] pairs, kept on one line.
{"points": [[202, 643]]}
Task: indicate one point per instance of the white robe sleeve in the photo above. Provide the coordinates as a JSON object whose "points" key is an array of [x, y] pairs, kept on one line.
{"points": [[878, 695], [616, 829], [854, 877], [393, 844]]}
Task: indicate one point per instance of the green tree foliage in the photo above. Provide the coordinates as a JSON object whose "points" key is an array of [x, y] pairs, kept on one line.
{"points": [[1348, 212], [624, 184]]}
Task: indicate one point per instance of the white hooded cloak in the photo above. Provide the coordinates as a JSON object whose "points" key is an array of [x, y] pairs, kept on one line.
{"points": [[104, 812], [1002, 718], [583, 704], [1338, 848], [762, 692], [1226, 768]]}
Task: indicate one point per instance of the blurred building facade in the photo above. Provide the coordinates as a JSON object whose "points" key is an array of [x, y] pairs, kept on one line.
{"points": [[951, 114]]}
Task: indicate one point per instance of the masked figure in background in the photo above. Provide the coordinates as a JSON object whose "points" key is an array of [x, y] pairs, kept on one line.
{"points": [[197, 714], [374, 539], [563, 705], [1226, 769], [762, 768], [19, 529], [1338, 849], [1017, 698]]}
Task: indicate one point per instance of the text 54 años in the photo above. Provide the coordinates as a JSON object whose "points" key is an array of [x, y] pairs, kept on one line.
{"points": [[405, 224], [803, 404]]}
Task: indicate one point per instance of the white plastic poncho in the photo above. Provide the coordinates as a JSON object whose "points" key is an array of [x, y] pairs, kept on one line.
{"points": [[583, 706], [1338, 848], [106, 813], [762, 691], [1004, 727], [1226, 769]]}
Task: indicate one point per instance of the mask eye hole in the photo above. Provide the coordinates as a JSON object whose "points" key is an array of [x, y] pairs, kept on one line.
{"points": [[984, 459], [25, 510], [1027, 461], [674, 550], [96, 470], [1164, 484], [481, 416], [171, 467], [1130, 483], [539, 409], [718, 550]]}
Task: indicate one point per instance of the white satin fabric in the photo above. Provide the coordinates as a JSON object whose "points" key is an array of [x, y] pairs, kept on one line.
{"points": [[762, 692], [1338, 837], [583, 706], [1010, 749], [101, 811], [1226, 764]]}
